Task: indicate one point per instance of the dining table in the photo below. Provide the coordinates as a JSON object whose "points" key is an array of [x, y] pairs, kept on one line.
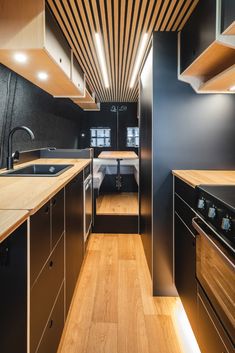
{"points": [[118, 156]]}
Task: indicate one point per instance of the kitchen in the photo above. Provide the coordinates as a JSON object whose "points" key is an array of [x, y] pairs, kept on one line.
{"points": [[128, 244]]}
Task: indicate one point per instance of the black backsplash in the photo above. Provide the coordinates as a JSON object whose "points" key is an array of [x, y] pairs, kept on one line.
{"points": [[106, 118], [54, 121]]}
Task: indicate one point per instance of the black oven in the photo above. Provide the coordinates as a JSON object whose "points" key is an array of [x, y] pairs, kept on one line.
{"points": [[215, 268]]}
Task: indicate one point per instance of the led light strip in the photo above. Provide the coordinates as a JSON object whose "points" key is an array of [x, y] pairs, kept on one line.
{"points": [[139, 58], [102, 61]]}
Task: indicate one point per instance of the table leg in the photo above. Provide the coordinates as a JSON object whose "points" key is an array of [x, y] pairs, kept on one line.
{"points": [[118, 177]]}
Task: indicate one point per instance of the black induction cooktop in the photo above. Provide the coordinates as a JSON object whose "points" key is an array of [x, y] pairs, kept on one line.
{"points": [[223, 193]]}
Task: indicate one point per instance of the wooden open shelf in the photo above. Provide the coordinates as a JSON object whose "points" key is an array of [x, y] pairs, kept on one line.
{"points": [[88, 102], [221, 82]]}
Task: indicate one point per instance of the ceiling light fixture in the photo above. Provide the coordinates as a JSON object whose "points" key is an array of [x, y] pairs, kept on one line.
{"points": [[42, 76], [232, 88], [20, 57], [139, 59], [102, 61]]}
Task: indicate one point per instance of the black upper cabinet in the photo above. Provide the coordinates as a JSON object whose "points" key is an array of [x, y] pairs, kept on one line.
{"points": [[57, 217], [74, 234], [227, 14], [13, 292], [198, 33], [40, 240]]}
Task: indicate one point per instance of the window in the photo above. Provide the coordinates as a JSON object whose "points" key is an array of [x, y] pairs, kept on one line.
{"points": [[100, 137], [132, 137]]}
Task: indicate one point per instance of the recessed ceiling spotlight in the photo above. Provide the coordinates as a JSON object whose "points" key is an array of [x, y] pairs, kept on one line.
{"points": [[20, 57], [139, 59], [42, 76], [232, 88]]}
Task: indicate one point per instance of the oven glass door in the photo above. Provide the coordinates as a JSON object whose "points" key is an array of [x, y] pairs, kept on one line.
{"points": [[216, 274]]}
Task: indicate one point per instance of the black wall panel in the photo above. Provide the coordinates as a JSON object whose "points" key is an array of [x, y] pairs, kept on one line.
{"points": [[106, 118], [55, 122], [190, 131]]}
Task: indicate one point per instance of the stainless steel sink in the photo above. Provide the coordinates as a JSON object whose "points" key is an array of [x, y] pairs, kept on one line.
{"points": [[38, 170]]}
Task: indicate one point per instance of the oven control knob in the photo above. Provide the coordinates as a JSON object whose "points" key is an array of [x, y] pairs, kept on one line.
{"points": [[212, 212], [201, 204], [226, 224]]}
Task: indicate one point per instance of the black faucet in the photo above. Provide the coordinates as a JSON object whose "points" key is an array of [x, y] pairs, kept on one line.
{"points": [[10, 157]]}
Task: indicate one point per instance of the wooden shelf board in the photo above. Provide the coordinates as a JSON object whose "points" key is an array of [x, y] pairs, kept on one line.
{"points": [[215, 59], [221, 82]]}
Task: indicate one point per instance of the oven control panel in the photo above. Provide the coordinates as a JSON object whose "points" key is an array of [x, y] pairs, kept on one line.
{"points": [[215, 213]]}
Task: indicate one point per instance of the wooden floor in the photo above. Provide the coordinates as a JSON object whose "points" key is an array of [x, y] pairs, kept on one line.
{"points": [[113, 310], [123, 203]]}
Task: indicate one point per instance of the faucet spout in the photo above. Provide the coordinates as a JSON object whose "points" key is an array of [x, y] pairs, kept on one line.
{"points": [[10, 159]]}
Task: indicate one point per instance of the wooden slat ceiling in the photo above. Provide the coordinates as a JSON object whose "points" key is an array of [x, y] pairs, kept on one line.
{"points": [[121, 24]]}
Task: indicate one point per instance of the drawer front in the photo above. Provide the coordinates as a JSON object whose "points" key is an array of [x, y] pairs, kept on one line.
{"points": [[54, 327], [57, 215], [44, 292], [40, 224], [185, 191], [184, 212]]}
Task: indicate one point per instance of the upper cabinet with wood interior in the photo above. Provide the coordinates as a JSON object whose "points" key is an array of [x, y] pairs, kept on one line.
{"points": [[88, 102], [207, 47], [32, 44]]}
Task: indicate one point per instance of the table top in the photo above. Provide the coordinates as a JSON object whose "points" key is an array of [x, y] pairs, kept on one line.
{"points": [[118, 155]]}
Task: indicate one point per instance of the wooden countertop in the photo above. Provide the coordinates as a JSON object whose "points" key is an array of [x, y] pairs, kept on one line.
{"points": [[30, 193], [10, 220], [118, 155], [206, 177]]}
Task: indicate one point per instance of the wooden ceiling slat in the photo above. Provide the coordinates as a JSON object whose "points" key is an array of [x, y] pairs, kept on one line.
{"points": [[121, 23], [182, 14], [168, 14], [186, 17]]}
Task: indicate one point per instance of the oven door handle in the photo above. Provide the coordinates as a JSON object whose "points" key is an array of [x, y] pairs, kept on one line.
{"points": [[202, 232]]}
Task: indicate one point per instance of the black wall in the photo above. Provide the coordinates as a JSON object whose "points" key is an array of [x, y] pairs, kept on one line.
{"points": [[190, 131], [55, 122], [105, 118]]}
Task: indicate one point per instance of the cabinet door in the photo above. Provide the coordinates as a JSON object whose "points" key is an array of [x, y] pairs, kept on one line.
{"points": [[227, 14], [13, 292], [40, 234], [198, 33], [54, 327], [57, 217], [185, 269], [74, 234]]}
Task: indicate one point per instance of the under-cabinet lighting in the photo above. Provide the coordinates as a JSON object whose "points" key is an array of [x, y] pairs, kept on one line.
{"points": [[139, 59], [42, 76], [184, 330], [20, 58], [102, 61], [232, 88]]}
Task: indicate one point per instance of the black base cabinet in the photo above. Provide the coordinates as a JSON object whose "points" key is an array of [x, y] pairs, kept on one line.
{"points": [[13, 292], [185, 251], [74, 251]]}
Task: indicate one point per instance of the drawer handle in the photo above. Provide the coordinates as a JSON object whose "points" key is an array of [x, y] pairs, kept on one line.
{"points": [[54, 202], [51, 323], [47, 209], [51, 263]]}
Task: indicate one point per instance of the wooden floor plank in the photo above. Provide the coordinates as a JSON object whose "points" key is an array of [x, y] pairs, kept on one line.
{"points": [[106, 304], [126, 247], [122, 203], [102, 338], [132, 335]]}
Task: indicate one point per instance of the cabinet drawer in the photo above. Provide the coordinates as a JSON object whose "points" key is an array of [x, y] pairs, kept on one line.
{"points": [[185, 191], [39, 240], [54, 327], [57, 215], [184, 212], [44, 292]]}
